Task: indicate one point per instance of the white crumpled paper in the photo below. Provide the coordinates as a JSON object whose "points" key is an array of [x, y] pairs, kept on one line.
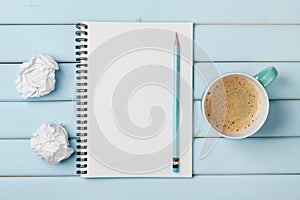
{"points": [[37, 76], [51, 143]]}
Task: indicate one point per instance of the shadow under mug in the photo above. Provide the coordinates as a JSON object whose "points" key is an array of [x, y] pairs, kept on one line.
{"points": [[260, 81]]}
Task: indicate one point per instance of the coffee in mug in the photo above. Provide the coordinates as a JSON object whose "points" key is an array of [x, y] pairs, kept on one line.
{"points": [[236, 105], [231, 104]]}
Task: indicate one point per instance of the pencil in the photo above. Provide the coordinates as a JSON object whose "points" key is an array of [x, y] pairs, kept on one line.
{"points": [[176, 104]]}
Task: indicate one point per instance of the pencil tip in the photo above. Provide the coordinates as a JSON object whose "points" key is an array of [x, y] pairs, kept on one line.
{"points": [[176, 42]]}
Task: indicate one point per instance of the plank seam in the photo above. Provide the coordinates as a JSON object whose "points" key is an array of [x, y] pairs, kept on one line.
{"points": [[195, 24], [195, 137], [195, 62], [290, 99], [249, 61], [37, 101], [194, 175], [59, 62], [38, 24], [246, 24], [73, 100], [254, 137]]}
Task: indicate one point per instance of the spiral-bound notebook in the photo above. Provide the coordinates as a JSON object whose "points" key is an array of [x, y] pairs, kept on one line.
{"points": [[125, 99]]}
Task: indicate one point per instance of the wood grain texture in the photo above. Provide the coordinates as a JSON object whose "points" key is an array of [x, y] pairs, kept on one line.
{"points": [[285, 86], [198, 11], [22, 119], [204, 73], [212, 42], [21, 160], [20, 43], [222, 43], [201, 187], [248, 156], [64, 86], [282, 121], [247, 43]]}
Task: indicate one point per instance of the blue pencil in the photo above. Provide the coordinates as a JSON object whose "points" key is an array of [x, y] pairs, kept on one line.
{"points": [[176, 105]]}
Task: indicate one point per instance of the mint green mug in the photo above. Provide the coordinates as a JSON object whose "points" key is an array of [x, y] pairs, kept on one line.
{"points": [[259, 81]]}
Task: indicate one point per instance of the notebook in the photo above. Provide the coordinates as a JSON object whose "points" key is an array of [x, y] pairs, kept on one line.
{"points": [[124, 94]]}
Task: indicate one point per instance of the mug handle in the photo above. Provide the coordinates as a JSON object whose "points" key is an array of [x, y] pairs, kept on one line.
{"points": [[266, 76]]}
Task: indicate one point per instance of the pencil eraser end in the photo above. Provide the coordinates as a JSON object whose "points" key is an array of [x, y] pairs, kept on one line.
{"points": [[176, 170]]}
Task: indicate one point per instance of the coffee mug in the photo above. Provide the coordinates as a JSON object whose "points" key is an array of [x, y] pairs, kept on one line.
{"points": [[236, 105]]}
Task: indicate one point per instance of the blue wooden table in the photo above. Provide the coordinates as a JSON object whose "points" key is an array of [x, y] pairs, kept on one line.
{"points": [[237, 35]]}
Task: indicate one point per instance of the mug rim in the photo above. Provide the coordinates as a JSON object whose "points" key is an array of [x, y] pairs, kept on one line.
{"points": [[265, 95]]}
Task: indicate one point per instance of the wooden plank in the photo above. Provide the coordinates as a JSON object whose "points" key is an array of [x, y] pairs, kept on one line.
{"points": [[22, 119], [283, 115], [200, 187], [204, 73], [21, 160], [200, 11], [247, 43], [20, 43], [64, 86], [284, 87], [247, 156], [282, 121], [212, 42]]}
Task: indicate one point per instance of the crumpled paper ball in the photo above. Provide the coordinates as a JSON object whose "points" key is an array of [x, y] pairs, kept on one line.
{"points": [[37, 76], [51, 143]]}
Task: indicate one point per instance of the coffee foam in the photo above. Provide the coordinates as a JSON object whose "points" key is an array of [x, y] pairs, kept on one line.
{"points": [[231, 104]]}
